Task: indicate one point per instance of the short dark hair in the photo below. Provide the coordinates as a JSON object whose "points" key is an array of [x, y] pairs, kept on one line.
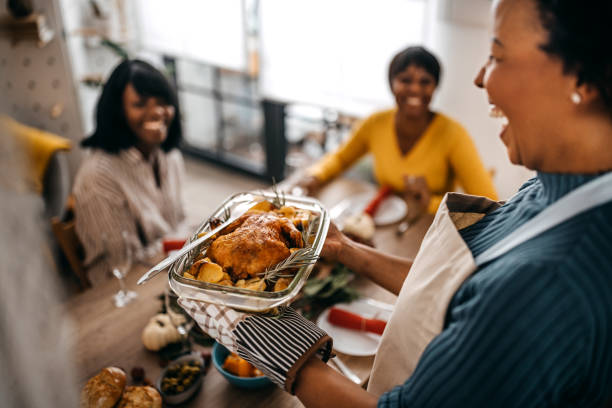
{"points": [[579, 34], [418, 56], [112, 132]]}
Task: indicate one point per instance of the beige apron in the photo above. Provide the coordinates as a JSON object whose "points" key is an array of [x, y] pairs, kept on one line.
{"points": [[421, 307], [433, 280]]}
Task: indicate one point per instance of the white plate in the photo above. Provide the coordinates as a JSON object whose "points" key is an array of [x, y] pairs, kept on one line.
{"points": [[354, 342], [391, 210]]}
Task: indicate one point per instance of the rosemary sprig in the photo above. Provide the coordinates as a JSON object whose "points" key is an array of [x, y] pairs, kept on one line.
{"points": [[227, 213], [301, 257], [313, 224], [279, 199]]}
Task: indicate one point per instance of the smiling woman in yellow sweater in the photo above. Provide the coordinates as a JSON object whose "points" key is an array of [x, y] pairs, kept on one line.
{"points": [[417, 152]]}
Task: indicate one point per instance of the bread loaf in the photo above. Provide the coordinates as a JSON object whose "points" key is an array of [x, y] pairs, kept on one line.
{"points": [[104, 389], [140, 397]]}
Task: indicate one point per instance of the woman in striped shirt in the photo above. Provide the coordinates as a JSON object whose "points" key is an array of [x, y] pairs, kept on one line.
{"points": [[128, 189]]}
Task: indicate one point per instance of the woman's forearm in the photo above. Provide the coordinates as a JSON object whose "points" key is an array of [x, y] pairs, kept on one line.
{"points": [[388, 271], [318, 385]]}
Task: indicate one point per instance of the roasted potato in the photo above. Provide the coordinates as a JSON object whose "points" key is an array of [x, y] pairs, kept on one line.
{"points": [[286, 211], [210, 272], [256, 284], [281, 284], [263, 206]]}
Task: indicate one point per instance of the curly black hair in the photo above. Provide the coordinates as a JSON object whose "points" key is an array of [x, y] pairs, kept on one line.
{"points": [[112, 132], [418, 56], [579, 34]]}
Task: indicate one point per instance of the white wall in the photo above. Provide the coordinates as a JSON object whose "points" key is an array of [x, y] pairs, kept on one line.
{"points": [[463, 47], [210, 31], [335, 54]]}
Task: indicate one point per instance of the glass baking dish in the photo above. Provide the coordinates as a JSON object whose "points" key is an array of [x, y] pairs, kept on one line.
{"points": [[240, 298]]}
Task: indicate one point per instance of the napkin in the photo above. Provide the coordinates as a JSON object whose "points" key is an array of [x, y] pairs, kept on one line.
{"points": [[378, 198], [349, 320], [173, 244]]}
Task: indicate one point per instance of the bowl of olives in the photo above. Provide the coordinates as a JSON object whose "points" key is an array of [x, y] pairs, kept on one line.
{"points": [[181, 378]]}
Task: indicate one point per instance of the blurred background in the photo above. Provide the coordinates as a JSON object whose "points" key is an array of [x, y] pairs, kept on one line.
{"points": [[265, 86]]}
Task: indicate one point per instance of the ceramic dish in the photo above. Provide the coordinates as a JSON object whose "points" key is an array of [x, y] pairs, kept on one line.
{"points": [[179, 398], [219, 355], [240, 298], [355, 342], [391, 209]]}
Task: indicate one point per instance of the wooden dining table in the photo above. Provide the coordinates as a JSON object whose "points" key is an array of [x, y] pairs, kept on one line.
{"points": [[104, 335]]}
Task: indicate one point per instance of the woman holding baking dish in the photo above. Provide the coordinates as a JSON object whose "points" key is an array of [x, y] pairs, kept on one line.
{"points": [[505, 305], [416, 151]]}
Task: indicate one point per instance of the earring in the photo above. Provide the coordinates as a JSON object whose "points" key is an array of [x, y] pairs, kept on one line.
{"points": [[576, 98]]}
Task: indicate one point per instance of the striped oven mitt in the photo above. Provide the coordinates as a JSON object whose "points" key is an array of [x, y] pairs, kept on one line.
{"points": [[278, 345]]}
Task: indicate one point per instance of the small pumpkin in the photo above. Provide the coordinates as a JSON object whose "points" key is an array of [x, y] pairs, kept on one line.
{"points": [[159, 332]]}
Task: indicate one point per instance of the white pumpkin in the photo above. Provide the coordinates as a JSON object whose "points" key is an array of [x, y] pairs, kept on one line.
{"points": [[159, 332]]}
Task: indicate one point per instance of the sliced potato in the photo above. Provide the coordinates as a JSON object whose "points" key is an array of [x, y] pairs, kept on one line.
{"points": [[264, 206], [195, 267], [210, 272], [225, 282], [256, 284], [300, 219], [212, 237], [287, 211], [241, 283], [188, 276], [282, 284]]}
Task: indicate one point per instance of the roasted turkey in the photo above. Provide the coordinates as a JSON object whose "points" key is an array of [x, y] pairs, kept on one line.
{"points": [[254, 242]]}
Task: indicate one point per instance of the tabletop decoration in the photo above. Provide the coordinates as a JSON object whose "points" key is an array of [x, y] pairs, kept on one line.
{"points": [[328, 286]]}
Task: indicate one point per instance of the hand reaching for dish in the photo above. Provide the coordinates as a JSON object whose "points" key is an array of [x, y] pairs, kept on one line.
{"points": [[417, 195], [306, 184]]}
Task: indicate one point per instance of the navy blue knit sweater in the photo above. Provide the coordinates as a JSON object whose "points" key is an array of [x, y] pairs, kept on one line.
{"points": [[532, 328]]}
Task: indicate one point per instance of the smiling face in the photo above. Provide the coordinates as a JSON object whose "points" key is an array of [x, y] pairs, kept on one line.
{"points": [[413, 89], [527, 87], [149, 118]]}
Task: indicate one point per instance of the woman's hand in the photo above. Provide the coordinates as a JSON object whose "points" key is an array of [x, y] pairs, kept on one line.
{"points": [[309, 184], [417, 195], [333, 243]]}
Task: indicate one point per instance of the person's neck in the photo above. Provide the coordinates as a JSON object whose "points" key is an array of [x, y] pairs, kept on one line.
{"points": [[411, 127], [586, 148], [146, 151]]}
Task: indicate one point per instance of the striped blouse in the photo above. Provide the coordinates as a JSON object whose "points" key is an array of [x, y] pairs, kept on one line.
{"points": [[118, 195]]}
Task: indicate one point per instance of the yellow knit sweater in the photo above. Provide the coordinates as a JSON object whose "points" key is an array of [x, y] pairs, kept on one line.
{"points": [[445, 155]]}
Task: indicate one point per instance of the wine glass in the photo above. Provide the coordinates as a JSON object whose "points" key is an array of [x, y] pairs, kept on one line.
{"points": [[120, 268], [178, 316]]}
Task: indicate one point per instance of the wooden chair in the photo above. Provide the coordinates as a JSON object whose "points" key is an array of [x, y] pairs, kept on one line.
{"points": [[65, 233]]}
